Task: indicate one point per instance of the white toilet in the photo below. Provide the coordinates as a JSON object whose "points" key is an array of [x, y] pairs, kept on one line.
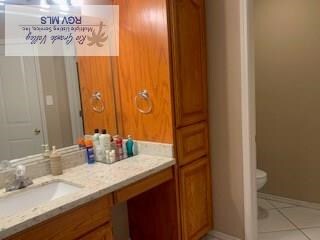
{"points": [[261, 178]]}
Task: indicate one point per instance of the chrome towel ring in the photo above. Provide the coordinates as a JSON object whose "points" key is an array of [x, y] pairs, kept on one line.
{"points": [[97, 102], [143, 95]]}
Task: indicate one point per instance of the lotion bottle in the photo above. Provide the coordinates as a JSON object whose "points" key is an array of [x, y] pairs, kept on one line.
{"points": [[105, 140], [100, 153], [95, 138], [55, 162]]}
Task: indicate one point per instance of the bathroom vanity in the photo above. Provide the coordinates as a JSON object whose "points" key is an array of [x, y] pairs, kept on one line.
{"points": [[85, 213]]}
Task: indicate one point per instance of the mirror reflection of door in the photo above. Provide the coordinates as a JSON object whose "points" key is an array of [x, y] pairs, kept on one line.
{"points": [[21, 123], [39, 104]]}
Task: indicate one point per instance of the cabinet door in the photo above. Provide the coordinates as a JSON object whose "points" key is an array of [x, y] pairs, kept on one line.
{"points": [[196, 208], [189, 61], [101, 233], [192, 143]]}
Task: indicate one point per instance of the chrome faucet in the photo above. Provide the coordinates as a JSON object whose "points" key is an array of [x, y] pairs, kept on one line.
{"points": [[21, 181]]}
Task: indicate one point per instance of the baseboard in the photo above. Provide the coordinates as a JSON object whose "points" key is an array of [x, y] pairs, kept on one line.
{"points": [[289, 201], [222, 236]]}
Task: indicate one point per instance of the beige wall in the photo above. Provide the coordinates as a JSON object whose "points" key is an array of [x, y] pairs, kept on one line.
{"points": [[288, 96], [224, 65], [54, 83]]}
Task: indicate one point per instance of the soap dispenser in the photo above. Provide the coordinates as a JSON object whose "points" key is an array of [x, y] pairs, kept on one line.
{"points": [[55, 162]]}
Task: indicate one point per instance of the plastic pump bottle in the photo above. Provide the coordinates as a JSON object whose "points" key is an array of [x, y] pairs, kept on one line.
{"points": [[55, 162]]}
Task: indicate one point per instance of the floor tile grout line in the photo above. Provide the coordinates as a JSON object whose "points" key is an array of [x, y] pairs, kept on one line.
{"points": [[298, 228], [272, 204], [279, 231], [308, 228], [277, 210]]}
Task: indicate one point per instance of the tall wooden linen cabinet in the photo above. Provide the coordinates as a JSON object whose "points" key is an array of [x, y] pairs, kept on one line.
{"points": [[188, 78]]}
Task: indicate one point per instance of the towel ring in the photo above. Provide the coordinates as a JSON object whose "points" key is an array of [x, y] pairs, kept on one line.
{"points": [[96, 102], [144, 95]]}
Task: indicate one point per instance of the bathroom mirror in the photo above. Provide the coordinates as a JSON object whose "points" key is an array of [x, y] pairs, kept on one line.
{"points": [[52, 100]]}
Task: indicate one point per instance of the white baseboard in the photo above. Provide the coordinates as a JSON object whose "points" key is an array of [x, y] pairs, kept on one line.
{"points": [[289, 201], [222, 236]]}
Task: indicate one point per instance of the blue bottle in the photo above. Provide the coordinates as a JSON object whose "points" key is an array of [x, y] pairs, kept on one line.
{"points": [[129, 146], [90, 152]]}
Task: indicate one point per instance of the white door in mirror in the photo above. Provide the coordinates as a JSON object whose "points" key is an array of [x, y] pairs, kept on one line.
{"points": [[20, 112], [31, 197]]}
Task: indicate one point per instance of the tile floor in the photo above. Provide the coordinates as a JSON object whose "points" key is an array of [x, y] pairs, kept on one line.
{"points": [[288, 222]]}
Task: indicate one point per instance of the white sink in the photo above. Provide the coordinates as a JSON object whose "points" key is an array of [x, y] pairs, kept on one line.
{"points": [[34, 196]]}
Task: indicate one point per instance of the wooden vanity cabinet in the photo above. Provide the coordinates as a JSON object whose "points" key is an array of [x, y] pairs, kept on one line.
{"points": [[91, 221]]}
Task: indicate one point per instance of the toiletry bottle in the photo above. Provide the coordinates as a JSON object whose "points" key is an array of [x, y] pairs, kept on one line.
{"points": [[46, 151], [119, 150], [81, 143], [95, 137], [112, 156], [90, 152], [55, 162], [129, 146], [105, 140], [100, 153], [124, 149], [107, 156]]}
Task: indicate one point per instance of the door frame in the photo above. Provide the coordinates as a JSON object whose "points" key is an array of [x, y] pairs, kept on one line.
{"points": [[74, 97], [40, 93], [41, 101], [248, 120]]}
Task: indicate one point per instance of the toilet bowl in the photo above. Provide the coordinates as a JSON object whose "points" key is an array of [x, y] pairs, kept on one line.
{"points": [[261, 178]]}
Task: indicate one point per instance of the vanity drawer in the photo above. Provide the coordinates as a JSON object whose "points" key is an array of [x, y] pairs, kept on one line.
{"points": [[101, 233], [192, 143], [143, 185], [72, 224]]}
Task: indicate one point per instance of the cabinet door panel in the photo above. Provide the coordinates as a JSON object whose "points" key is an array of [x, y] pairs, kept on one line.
{"points": [[189, 61], [195, 195], [192, 142]]}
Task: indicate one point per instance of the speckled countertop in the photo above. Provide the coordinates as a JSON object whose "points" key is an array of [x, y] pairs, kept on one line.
{"points": [[95, 180]]}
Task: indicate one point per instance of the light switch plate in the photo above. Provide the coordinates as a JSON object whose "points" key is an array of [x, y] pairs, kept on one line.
{"points": [[49, 100]]}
